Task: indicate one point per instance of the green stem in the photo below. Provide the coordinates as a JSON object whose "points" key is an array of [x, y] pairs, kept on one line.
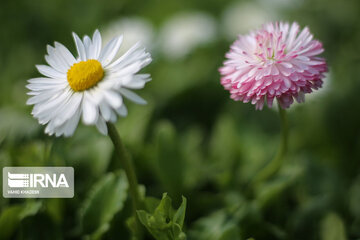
{"points": [[128, 167], [275, 164]]}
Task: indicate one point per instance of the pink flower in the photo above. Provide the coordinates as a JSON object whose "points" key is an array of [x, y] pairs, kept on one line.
{"points": [[274, 62]]}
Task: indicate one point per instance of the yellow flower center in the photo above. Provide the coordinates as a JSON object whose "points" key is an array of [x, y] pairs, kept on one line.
{"points": [[85, 74]]}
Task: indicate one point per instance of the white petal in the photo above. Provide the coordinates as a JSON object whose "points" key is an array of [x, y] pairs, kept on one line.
{"points": [[80, 47], [43, 96], [60, 130], [114, 99], [96, 44], [58, 133], [101, 126], [89, 112], [130, 69], [70, 109], [87, 45], [49, 130], [144, 76], [110, 50], [113, 117], [139, 55], [65, 53], [108, 83], [46, 80], [146, 61], [132, 96], [67, 128], [127, 79], [105, 110], [55, 61], [49, 109], [125, 56], [49, 92], [50, 72], [135, 82], [42, 87], [96, 95], [72, 124], [122, 111]]}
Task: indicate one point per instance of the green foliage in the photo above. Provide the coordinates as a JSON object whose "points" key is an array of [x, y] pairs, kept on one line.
{"points": [[332, 228], [105, 199], [271, 190], [12, 216], [177, 169], [217, 226], [164, 222]]}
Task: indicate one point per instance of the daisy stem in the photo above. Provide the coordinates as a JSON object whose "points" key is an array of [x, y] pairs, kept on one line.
{"points": [[128, 167], [275, 164]]}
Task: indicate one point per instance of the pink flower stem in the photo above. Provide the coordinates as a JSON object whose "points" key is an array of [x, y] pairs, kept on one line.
{"points": [[275, 164]]}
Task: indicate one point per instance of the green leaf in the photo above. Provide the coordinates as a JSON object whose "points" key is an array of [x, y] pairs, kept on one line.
{"points": [[132, 226], [178, 169], [106, 198], [195, 171], [55, 209], [332, 228], [165, 223], [12, 216], [151, 203], [168, 157], [217, 226], [224, 149], [271, 190], [179, 216], [132, 223]]}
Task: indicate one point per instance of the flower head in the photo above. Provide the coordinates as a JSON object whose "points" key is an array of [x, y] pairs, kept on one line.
{"points": [[277, 61], [91, 86]]}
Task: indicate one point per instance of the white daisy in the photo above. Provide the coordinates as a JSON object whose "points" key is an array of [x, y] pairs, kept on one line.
{"points": [[91, 86]]}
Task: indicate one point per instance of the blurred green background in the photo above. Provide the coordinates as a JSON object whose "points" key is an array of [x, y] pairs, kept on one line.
{"points": [[191, 139]]}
